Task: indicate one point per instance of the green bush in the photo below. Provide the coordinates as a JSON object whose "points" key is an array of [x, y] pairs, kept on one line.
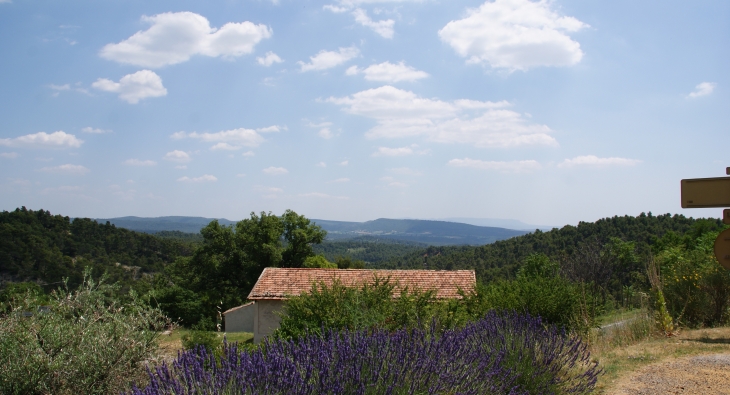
{"points": [[87, 342], [371, 306], [202, 336]]}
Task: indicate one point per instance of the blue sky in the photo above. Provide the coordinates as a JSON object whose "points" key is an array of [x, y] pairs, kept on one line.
{"points": [[548, 112]]}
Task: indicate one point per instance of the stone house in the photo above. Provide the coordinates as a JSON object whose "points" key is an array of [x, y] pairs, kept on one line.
{"points": [[277, 284], [239, 319]]}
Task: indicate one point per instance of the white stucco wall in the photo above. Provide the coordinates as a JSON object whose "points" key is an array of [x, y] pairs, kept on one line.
{"points": [[266, 321], [241, 319]]}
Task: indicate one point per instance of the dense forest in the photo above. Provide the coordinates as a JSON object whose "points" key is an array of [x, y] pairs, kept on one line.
{"points": [[44, 248], [502, 259], [371, 250]]}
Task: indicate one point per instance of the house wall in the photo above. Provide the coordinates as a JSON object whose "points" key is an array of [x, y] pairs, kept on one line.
{"points": [[241, 320], [266, 321]]}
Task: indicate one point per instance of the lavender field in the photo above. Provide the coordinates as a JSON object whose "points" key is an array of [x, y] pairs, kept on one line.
{"points": [[500, 354]]}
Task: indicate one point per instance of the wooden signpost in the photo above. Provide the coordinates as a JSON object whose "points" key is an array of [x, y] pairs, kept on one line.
{"points": [[711, 192]]}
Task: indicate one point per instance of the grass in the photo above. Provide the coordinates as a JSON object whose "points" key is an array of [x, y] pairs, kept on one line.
{"points": [[624, 348], [171, 343]]}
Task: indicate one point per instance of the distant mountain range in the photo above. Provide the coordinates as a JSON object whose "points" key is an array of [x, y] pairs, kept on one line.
{"points": [[422, 231]]}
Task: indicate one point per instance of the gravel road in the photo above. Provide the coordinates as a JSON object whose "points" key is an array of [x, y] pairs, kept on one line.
{"points": [[704, 374]]}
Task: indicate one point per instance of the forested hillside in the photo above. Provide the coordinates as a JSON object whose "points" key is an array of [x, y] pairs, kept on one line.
{"points": [[41, 247], [502, 258], [371, 250]]}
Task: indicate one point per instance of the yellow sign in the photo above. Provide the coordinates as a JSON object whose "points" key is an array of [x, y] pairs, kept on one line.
{"points": [[706, 192], [722, 248]]}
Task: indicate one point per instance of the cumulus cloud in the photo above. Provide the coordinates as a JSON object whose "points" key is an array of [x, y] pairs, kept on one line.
{"points": [[224, 147], [515, 35], [388, 72], [134, 87], [401, 151], [517, 166], [324, 60], [177, 156], [275, 171], [344, 163], [9, 155], [139, 162], [702, 89], [91, 130], [59, 139], [269, 59], [248, 154], [323, 196], [232, 139], [592, 160], [66, 169], [401, 113], [321, 164], [174, 37], [384, 28], [203, 178]]}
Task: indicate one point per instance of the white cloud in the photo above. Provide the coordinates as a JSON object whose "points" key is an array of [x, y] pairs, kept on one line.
{"points": [[344, 163], [515, 35], [517, 166], [248, 154], [388, 72], [181, 167], [327, 59], [702, 89], [343, 179], [224, 147], [275, 171], [9, 155], [335, 9], [240, 175], [176, 36], [321, 164], [323, 196], [383, 28], [66, 169], [238, 137], [6, 1], [269, 189], [91, 130], [134, 87], [269, 59], [401, 113], [177, 156], [138, 162], [325, 133], [402, 151], [59, 139], [203, 178], [58, 88], [592, 160]]}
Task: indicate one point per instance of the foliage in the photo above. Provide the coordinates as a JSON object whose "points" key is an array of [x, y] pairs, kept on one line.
{"points": [[371, 250], [695, 286], [38, 246], [222, 271], [87, 342], [373, 305], [319, 261], [499, 354], [539, 290], [348, 263], [201, 336]]}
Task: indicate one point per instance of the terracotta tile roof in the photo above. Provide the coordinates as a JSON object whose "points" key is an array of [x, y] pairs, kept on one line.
{"points": [[236, 308], [279, 283]]}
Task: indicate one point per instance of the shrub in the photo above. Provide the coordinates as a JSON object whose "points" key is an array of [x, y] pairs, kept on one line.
{"points": [[373, 305], [86, 343], [499, 354], [201, 336]]}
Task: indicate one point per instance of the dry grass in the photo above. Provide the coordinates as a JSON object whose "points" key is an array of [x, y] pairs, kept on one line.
{"points": [[171, 343], [622, 349]]}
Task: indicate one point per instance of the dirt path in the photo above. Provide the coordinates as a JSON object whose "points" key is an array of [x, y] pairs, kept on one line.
{"points": [[703, 374]]}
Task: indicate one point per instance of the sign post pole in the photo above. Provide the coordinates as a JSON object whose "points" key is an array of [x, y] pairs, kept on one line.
{"points": [[711, 192]]}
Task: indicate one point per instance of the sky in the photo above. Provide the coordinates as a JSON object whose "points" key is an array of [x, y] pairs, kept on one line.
{"points": [[547, 112]]}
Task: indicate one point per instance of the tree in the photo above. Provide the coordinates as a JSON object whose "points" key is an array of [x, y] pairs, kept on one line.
{"points": [[225, 267]]}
